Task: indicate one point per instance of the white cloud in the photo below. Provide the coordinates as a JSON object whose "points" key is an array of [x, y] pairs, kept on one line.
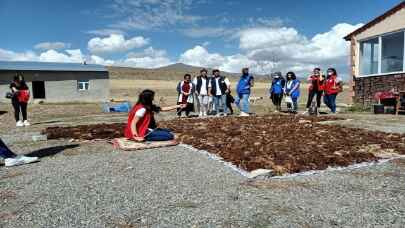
{"points": [[287, 49], [99, 60], [150, 14], [115, 43], [51, 45], [205, 32], [105, 32], [7, 55], [148, 58], [199, 56], [71, 56]]}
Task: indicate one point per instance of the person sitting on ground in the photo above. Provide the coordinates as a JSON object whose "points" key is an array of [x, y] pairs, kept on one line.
{"points": [[185, 90], [276, 90], [218, 87], [12, 159], [333, 86], [201, 89], [315, 82], [141, 124], [19, 100], [292, 91], [243, 88]]}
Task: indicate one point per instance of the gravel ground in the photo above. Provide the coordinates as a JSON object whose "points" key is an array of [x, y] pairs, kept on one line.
{"points": [[94, 186], [91, 185]]}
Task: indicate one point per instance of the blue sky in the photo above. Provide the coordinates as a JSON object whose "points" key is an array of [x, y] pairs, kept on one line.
{"points": [[266, 35]]}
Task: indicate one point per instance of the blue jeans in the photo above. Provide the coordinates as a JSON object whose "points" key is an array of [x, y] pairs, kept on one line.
{"points": [[242, 101], [330, 102], [159, 134], [5, 152], [220, 103]]}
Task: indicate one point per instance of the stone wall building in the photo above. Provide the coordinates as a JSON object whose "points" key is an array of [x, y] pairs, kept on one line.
{"points": [[377, 56], [58, 82]]}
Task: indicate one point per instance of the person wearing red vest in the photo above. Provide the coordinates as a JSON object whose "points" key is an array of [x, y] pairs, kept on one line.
{"points": [[141, 124], [332, 87], [315, 82], [19, 100]]}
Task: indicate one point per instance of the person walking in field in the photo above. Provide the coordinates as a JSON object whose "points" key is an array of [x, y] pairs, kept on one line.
{"points": [[201, 90], [218, 87], [292, 92], [12, 159], [333, 86], [315, 88], [276, 90], [141, 125], [19, 100], [185, 90], [243, 90], [229, 101]]}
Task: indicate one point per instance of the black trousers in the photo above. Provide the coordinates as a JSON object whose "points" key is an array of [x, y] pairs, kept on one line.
{"points": [[189, 108], [19, 107], [311, 96], [276, 99]]}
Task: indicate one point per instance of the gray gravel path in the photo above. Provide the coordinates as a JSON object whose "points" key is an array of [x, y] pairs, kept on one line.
{"points": [[94, 186]]}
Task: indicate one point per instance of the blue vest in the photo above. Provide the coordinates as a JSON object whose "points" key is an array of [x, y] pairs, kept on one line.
{"points": [[277, 86], [295, 93], [244, 84]]}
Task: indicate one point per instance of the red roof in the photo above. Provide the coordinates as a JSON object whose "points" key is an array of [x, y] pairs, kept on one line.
{"points": [[376, 20]]}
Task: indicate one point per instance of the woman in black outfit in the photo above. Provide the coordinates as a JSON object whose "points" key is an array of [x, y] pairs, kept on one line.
{"points": [[19, 100]]}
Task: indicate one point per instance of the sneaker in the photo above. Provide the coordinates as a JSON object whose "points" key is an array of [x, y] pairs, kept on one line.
{"points": [[19, 124], [204, 113], [201, 114], [304, 113], [243, 114], [26, 123], [19, 160]]}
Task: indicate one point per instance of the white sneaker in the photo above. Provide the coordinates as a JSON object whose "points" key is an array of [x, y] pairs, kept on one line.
{"points": [[26, 123], [19, 160], [243, 114], [201, 114], [225, 114], [304, 113], [19, 124], [204, 113]]}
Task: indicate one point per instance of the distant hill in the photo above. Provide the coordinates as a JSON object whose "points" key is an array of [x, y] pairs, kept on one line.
{"points": [[171, 72]]}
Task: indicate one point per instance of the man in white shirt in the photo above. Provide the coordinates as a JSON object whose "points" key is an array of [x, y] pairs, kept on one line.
{"points": [[218, 87], [201, 84]]}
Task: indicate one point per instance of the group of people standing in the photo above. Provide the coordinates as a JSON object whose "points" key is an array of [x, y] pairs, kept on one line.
{"points": [[319, 86], [212, 94]]}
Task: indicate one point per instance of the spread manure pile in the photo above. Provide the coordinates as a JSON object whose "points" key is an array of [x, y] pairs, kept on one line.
{"points": [[285, 144]]}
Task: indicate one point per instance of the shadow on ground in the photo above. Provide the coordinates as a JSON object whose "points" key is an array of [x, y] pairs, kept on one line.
{"points": [[50, 151]]}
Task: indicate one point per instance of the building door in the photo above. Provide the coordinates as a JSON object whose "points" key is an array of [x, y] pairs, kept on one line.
{"points": [[38, 89]]}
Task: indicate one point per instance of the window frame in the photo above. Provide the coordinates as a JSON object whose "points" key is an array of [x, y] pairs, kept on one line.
{"points": [[83, 83], [379, 55]]}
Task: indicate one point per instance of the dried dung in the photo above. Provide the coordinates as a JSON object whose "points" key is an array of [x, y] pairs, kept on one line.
{"points": [[282, 143]]}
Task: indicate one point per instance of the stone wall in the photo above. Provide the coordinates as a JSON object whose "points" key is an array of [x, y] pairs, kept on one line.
{"points": [[366, 87]]}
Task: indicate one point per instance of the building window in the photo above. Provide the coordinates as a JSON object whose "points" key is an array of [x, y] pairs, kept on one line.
{"points": [[392, 54], [83, 85], [369, 55]]}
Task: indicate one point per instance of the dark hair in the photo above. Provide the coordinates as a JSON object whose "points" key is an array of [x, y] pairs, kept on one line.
{"points": [[146, 99], [203, 70], [317, 69], [333, 70], [244, 69], [187, 75], [213, 71], [293, 77], [18, 77]]}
